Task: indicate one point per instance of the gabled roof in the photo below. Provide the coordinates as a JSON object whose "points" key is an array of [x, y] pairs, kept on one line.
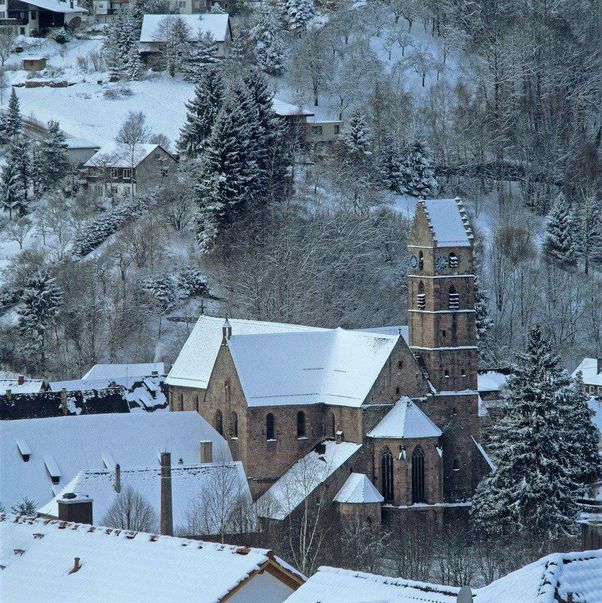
{"points": [[284, 109], [358, 489], [57, 6], [405, 421], [491, 381], [29, 386], [153, 29], [116, 565], [333, 366], [448, 222], [84, 442], [589, 370], [303, 478], [194, 364], [118, 155], [124, 371], [194, 488]]}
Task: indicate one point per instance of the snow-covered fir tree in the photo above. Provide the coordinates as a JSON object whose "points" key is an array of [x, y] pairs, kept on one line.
{"points": [[202, 53], [12, 194], [54, 163], [176, 48], [134, 66], [40, 305], [11, 125], [357, 137], [559, 243], [483, 321], [586, 226], [296, 14], [532, 490], [417, 177], [202, 111], [269, 43], [18, 155], [389, 164]]}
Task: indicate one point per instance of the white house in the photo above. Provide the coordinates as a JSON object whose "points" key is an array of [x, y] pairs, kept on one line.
{"points": [[591, 369], [39, 17], [59, 562]]}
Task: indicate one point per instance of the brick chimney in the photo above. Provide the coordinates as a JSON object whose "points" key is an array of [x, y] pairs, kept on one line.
{"points": [[117, 480], [76, 508], [21, 379], [166, 502], [206, 451]]}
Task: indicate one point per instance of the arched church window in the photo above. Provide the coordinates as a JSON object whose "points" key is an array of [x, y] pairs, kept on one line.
{"points": [[463, 372], [300, 424], [446, 373], [332, 428], [456, 465], [418, 475], [386, 475], [421, 297], [269, 427], [218, 422], [196, 403], [454, 298], [233, 425], [453, 260], [181, 401], [421, 261]]}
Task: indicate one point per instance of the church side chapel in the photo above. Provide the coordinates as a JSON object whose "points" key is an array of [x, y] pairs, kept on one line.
{"points": [[380, 417]]}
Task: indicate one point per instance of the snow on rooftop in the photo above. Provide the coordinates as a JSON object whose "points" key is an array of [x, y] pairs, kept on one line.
{"points": [[80, 143], [448, 221], [333, 366], [57, 6], [77, 443], [116, 565], [123, 371], [154, 30], [484, 454], [193, 487], [491, 381], [405, 420], [589, 370], [358, 489], [29, 386], [303, 478], [120, 155], [285, 109], [595, 405], [194, 364]]}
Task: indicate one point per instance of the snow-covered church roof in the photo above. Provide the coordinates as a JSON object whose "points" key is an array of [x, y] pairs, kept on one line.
{"points": [[358, 489], [448, 222], [405, 420]]}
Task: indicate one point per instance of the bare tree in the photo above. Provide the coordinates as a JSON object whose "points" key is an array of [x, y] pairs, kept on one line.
{"points": [[130, 511], [133, 133], [412, 545], [18, 229]]}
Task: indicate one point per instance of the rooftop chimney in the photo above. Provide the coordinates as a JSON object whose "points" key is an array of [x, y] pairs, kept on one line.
{"points": [[166, 502], [227, 329], [76, 565], [21, 379], [206, 451], [117, 482], [76, 508]]}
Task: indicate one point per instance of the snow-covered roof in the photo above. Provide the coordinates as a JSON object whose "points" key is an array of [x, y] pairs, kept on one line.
{"points": [[285, 495], [358, 489], [334, 366], [81, 143], [77, 443], [589, 370], [405, 420], [193, 486], [491, 381], [402, 330], [285, 109], [119, 155], [448, 222], [547, 580], [595, 405], [29, 386], [484, 454], [154, 30], [56, 6], [194, 364], [123, 371], [116, 565]]}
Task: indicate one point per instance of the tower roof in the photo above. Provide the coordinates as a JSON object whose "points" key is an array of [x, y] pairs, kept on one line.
{"points": [[358, 489], [405, 420], [448, 222]]}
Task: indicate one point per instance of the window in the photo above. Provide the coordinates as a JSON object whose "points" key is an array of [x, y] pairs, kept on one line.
{"points": [[400, 364], [127, 173], [269, 427], [453, 260], [454, 411], [2, 14], [456, 465], [227, 391], [446, 374], [316, 130], [443, 333], [33, 15], [332, 426], [453, 299], [386, 475], [397, 391], [181, 401], [337, 130], [421, 261], [300, 424], [463, 373], [196, 403], [21, 31], [218, 422], [113, 173], [418, 475], [421, 297], [164, 172], [233, 425]]}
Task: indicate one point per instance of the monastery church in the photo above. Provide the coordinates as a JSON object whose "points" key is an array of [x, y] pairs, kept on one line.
{"points": [[380, 418]]}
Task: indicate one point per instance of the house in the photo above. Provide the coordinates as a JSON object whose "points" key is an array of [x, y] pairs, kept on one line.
{"points": [[295, 117], [56, 561], [105, 9], [125, 373], [39, 17], [34, 63], [79, 150], [323, 131], [120, 169], [558, 578], [398, 405], [19, 384], [591, 370], [202, 494], [153, 33], [40, 456]]}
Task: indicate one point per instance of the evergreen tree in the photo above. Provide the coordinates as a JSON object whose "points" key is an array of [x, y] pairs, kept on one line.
{"points": [[559, 244], [12, 123], [202, 111], [134, 67], [586, 224], [481, 303], [296, 14], [54, 164], [357, 138], [416, 173], [19, 157], [532, 490], [12, 195], [40, 304], [269, 44], [390, 165], [202, 53]]}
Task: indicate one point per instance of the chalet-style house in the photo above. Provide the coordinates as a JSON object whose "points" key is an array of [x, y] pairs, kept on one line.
{"points": [[59, 561], [154, 31], [40, 17], [398, 405], [120, 169]]}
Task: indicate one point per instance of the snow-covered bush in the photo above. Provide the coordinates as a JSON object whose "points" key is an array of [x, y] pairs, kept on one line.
{"points": [[116, 92]]}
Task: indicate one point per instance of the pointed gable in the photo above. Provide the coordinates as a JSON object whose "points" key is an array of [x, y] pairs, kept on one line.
{"points": [[405, 421], [445, 220], [358, 489]]}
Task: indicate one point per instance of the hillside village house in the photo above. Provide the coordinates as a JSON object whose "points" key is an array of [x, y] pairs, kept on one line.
{"points": [[398, 405], [120, 169], [39, 17], [591, 371], [153, 33]]}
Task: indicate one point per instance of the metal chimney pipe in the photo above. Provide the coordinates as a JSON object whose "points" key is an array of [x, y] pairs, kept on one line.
{"points": [[117, 484], [166, 501]]}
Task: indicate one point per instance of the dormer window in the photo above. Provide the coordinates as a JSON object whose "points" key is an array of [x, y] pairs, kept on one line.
{"points": [[53, 469], [24, 450], [421, 297]]}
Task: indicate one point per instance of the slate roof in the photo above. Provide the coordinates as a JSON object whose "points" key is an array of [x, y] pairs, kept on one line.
{"points": [[358, 489], [405, 421], [37, 555], [448, 222], [199, 24]]}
